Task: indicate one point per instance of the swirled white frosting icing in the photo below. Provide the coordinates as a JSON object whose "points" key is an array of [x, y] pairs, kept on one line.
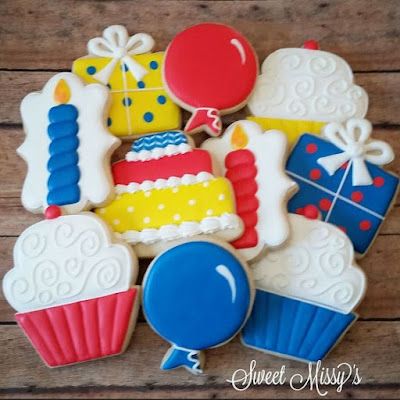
{"points": [[307, 84], [66, 260], [170, 232], [316, 265], [158, 152]]}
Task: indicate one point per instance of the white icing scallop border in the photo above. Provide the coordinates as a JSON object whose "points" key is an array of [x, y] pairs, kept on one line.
{"points": [[158, 152], [171, 182]]}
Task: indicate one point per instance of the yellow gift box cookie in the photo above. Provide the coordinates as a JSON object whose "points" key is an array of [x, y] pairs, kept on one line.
{"points": [[140, 104]]}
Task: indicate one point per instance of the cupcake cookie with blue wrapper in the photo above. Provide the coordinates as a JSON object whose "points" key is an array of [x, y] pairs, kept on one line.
{"points": [[306, 293], [196, 295], [166, 191], [300, 90], [67, 146]]}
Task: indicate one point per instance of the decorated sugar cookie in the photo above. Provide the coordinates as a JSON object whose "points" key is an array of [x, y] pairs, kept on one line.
{"points": [[126, 65], [254, 162], [210, 69], [67, 146], [306, 293], [301, 89], [73, 288], [166, 191], [343, 178], [196, 295]]}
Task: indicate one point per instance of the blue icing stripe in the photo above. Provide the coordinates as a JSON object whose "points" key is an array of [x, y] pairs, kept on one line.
{"points": [[65, 128], [159, 140], [63, 164], [195, 295], [63, 112]]}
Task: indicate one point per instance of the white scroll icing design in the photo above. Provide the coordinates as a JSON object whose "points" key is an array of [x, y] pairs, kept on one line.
{"points": [[353, 139], [274, 186], [95, 144], [309, 85], [316, 265], [65, 260]]}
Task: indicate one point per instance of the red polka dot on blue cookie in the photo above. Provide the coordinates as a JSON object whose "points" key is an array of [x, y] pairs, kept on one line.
{"points": [[365, 225], [325, 204], [311, 148], [357, 196], [379, 181], [315, 174]]}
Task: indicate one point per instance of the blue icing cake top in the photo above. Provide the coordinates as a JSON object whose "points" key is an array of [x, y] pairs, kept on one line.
{"points": [[159, 140]]}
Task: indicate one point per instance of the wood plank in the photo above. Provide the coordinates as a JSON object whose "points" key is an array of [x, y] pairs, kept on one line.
{"points": [[269, 25], [369, 345], [12, 167], [206, 392], [380, 265], [382, 88]]}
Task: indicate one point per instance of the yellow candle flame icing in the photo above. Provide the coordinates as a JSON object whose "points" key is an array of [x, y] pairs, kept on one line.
{"points": [[239, 138], [62, 92]]}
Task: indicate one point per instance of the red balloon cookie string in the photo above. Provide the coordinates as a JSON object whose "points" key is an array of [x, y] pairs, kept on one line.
{"points": [[205, 116]]}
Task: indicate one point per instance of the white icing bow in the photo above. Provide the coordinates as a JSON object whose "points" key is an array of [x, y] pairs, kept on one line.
{"points": [[353, 139], [117, 44]]}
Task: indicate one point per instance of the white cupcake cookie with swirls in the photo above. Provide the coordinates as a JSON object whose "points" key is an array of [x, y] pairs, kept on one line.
{"points": [[316, 265], [304, 84], [65, 260]]}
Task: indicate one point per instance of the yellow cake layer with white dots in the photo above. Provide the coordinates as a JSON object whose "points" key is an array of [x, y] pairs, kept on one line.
{"points": [[158, 207]]}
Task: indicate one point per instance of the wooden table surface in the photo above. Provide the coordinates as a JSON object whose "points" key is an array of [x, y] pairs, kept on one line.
{"points": [[40, 38]]}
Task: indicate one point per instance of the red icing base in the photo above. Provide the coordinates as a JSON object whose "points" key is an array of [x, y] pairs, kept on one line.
{"points": [[242, 172], [80, 331], [193, 162]]}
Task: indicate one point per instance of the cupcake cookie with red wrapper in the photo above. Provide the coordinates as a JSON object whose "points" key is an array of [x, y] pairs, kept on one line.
{"points": [[306, 293], [254, 161], [73, 288], [300, 90], [341, 175], [140, 104], [166, 191], [67, 146], [210, 70]]}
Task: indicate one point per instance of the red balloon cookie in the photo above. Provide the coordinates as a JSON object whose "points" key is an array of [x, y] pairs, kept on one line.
{"points": [[210, 69]]}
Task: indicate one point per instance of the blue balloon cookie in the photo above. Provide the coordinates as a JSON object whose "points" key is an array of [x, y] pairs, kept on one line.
{"points": [[196, 295]]}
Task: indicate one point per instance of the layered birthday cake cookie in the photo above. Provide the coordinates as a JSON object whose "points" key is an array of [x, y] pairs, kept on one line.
{"points": [[73, 288], [306, 292], [254, 161], [301, 89], [166, 191]]}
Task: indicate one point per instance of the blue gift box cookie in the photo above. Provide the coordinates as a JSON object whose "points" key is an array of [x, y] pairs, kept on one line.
{"points": [[341, 178]]}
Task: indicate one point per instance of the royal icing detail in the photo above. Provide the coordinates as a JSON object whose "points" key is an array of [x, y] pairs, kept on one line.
{"points": [[300, 90], [220, 290], [65, 260], [358, 210], [169, 198], [260, 179], [307, 85], [158, 146], [306, 292], [356, 149], [63, 123], [315, 265], [72, 285], [210, 69], [133, 74]]}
